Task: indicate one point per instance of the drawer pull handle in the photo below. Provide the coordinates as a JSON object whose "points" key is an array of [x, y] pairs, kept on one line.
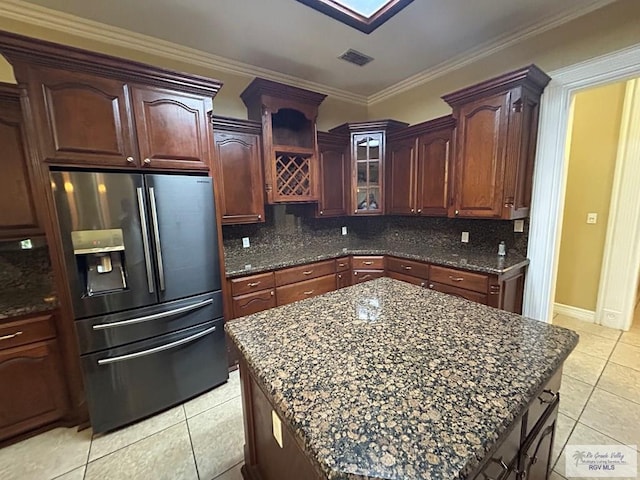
{"points": [[307, 272], [253, 284], [552, 396], [367, 263], [308, 292], [9, 337], [456, 279], [406, 267], [342, 264], [502, 465]]}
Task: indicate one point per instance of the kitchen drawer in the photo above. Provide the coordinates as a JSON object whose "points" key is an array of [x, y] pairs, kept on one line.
{"points": [[504, 461], [253, 283], [307, 289], [459, 292], [544, 401], [305, 272], [253, 302], [360, 276], [27, 330], [407, 278], [408, 267], [459, 278], [367, 263], [343, 264]]}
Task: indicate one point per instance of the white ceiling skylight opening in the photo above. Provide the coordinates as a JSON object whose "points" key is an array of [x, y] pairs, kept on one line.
{"points": [[366, 8]]}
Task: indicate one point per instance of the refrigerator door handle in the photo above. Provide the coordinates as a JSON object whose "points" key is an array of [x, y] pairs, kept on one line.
{"points": [[156, 316], [145, 238], [156, 236], [161, 348]]}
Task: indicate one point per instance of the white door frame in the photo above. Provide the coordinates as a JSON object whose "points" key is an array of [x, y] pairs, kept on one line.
{"points": [[621, 256], [550, 175]]}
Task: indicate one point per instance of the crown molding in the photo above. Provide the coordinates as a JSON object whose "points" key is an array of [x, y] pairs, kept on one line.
{"points": [[481, 51], [89, 29], [107, 34]]}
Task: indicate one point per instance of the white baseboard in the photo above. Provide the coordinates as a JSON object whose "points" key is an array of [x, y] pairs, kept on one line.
{"points": [[575, 312]]}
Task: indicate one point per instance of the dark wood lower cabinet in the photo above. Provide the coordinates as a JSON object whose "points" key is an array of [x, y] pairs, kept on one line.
{"points": [[361, 276], [33, 392], [343, 279], [307, 289], [535, 457], [253, 302], [459, 292]]}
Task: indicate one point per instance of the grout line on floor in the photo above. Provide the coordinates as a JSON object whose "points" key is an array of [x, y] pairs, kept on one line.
{"points": [[193, 450], [209, 408], [228, 469]]}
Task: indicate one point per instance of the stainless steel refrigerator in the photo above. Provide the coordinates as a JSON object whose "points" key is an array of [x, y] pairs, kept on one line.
{"points": [[141, 253]]}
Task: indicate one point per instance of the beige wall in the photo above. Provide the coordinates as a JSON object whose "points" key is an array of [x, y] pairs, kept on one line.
{"points": [[332, 112], [592, 155], [608, 29]]}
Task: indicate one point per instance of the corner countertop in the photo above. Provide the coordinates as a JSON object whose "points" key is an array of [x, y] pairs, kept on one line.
{"points": [[388, 380], [255, 260], [17, 302]]}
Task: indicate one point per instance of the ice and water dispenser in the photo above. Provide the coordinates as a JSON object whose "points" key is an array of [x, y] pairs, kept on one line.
{"points": [[100, 260]]}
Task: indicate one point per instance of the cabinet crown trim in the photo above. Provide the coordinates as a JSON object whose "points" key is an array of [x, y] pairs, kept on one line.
{"points": [[442, 123], [235, 125], [530, 76], [260, 86], [369, 125], [18, 48]]}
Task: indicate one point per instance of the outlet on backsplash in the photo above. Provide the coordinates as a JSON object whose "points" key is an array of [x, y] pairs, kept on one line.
{"points": [[344, 230], [245, 242], [465, 237]]}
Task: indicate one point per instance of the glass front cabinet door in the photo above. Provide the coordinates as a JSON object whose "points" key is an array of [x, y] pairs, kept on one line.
{"points": [[368, 154]]}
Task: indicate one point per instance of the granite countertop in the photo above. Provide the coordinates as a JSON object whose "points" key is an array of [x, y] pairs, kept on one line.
{"points": [[255, 260], [386, 380], [16, 302]]}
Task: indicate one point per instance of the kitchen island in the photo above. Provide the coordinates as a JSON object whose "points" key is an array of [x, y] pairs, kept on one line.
{"points": [[385, 380]]}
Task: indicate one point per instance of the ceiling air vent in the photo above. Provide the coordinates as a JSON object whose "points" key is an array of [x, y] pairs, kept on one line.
{"points": [[355, 57]]}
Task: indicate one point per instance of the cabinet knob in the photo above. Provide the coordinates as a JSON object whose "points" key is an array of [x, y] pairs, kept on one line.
{"points": [[355, 211], [355, 273], [272, 293], [457, 212], [259, 217], [419, 210], [321, 212], [422, 284], [431, 285], [129, 159], [412, 210], [147, 161], [339, 275]]}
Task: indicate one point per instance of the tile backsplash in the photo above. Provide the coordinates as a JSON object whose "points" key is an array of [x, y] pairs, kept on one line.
{"points": [[293, 226]]}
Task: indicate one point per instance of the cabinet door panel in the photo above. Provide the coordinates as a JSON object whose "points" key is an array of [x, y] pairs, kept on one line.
{"points": [[482, 133], [172, 129], [334, 165], [459, 292], [82, 119], [15, 188], [401, 170], [433, 173], [343, 279], [37, 393], [239, 171]]}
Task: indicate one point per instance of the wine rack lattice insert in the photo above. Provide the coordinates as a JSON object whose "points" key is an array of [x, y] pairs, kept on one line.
{"points": [[293, 174]]}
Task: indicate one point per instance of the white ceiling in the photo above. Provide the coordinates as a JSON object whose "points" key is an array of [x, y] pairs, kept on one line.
{"points": [[289, 37]]}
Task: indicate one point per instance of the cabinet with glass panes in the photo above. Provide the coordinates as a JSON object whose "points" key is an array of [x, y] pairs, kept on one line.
{"points": [[367, 163]]}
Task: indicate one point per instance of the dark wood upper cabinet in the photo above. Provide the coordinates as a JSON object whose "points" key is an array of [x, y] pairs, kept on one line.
{"points": [[94, 110], [172, 128], [81, 118], [237, 166], [497, 127], [335, 159], [288, 115], [401, 177], [367, 163], [433, 182], [18, 216], [418, 166]]}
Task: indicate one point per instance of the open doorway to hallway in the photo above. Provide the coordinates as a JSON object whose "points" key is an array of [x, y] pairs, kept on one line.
{"points": [[599, 253]]}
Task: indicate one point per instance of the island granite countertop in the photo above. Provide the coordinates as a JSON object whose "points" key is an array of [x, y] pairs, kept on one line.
{"points": [[386, 380], [255, 260]]}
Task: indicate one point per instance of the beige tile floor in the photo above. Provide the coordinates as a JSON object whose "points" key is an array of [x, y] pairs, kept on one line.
{"points": [[203, 438], [600, 394]]}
